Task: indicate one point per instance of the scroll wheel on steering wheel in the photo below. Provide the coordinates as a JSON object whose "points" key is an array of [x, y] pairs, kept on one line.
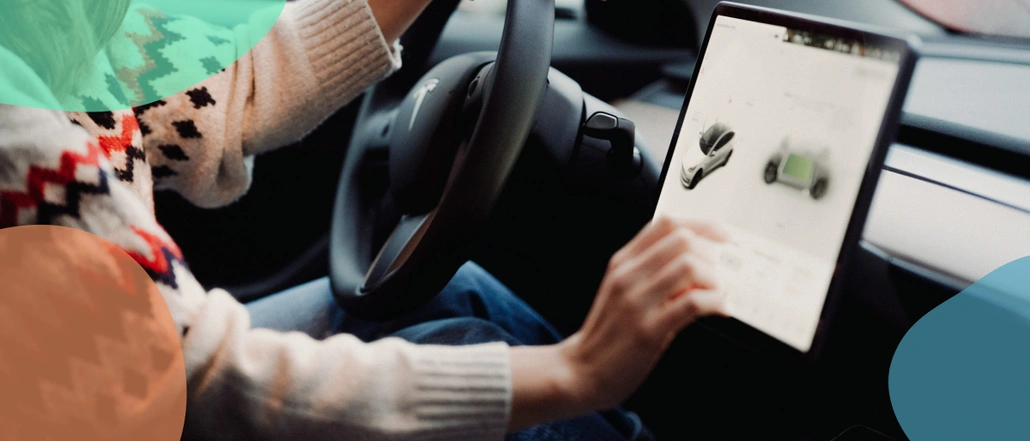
{"points": [[602, 121]]}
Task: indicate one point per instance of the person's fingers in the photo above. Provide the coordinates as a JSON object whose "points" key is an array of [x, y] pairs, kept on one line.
{"points": [[693, 304], [707, 236], [669, 248], [651, 233], [685, 271], [660, 227], [706, 229], [703, 249], [680, 246]]}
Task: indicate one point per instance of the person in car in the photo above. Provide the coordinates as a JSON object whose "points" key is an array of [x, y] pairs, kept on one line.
{"points": [[476, 363]]}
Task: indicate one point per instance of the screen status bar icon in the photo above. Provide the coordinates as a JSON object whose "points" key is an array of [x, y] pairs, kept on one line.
{"points": [[852, 47]]}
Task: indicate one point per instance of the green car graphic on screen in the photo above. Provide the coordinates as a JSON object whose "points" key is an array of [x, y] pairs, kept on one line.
{"points": [[799, 168]]}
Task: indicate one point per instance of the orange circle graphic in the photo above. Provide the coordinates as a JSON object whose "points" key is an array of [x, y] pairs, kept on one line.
{"points": [[88, 347]]}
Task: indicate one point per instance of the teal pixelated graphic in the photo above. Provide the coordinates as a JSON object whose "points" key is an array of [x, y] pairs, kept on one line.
{"points": [[963, 371], [103, 55]]}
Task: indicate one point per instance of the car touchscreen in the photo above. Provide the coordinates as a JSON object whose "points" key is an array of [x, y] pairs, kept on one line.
{"points": [[773, 145]]}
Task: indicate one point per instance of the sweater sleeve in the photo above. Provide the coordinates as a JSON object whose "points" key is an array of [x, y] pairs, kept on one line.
{"points": [[319, 55], [248, 383]]}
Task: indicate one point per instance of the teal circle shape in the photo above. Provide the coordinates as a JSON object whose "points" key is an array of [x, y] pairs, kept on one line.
{"points": [[963, 371], [106, 55]]}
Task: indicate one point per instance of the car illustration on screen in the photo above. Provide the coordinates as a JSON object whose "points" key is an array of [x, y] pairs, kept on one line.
{"points": [[716, 143], [800, 168]]}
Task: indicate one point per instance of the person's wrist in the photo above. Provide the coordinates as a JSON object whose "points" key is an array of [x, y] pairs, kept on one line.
{"points": [[578, 383], [547, 386]]}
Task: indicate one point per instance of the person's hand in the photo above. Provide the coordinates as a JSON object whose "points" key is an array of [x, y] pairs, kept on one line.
{"points": [[656, 285]]}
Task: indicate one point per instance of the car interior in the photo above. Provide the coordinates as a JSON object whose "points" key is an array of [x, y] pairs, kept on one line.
{"points": [[952, 203]]}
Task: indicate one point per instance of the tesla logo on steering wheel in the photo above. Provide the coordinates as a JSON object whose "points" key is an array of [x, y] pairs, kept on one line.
{"points": [[420, 96]]}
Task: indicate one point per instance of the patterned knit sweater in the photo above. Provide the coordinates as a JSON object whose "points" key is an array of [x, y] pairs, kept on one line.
{"points": [[97, 172]]}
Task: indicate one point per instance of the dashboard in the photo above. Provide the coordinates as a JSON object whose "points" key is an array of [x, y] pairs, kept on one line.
{"points": [[959, 207]]}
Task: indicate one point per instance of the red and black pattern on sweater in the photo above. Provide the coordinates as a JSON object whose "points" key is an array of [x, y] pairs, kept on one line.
{"points": [[72, 177], [14, 203], [160, 259], [118, 135]]}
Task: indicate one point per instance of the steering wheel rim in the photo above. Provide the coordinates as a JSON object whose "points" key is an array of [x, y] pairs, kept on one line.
{"points": [[428, 245]]}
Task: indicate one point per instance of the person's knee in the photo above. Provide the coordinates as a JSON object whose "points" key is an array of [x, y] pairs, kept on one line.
{"points": [[472, 278], [309, 308], [456, 332], [477, 289]]}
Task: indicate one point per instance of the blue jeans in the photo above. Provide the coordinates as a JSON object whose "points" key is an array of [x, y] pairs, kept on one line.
{"points": [[473, 308]]}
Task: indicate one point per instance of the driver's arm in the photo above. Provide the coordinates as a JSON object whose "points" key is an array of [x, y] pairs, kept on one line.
{"points": [[320, 55], [257, 384], [248, 383]]}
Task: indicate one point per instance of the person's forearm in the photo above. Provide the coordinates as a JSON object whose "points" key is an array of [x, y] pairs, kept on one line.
{"points": [[543, 387], [396, 16]]}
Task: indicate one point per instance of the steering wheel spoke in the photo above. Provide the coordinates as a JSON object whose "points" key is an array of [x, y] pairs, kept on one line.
{"points": [[398, 247]]}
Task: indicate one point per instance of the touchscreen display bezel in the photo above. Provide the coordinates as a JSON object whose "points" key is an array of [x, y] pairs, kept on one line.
{"points": [[739, 331]]}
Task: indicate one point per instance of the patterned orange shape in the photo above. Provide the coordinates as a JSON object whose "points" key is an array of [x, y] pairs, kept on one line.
{"points": [[88, 347]]}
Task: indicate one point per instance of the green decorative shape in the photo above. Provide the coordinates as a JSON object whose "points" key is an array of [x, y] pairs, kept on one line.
{"points": [[50, 57]]}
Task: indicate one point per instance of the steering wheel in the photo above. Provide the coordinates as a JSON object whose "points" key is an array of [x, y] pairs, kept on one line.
{"points": [[447, 149]]}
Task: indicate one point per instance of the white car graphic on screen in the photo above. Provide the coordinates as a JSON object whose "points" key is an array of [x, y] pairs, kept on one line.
{"points": [[717, 144]]}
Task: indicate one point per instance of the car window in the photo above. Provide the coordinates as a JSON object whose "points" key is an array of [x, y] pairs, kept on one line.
{"points": [[724, 140]]}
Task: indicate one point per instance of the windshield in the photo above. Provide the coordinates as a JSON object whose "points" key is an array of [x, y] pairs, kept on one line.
{"points": [[1001, 18]]}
